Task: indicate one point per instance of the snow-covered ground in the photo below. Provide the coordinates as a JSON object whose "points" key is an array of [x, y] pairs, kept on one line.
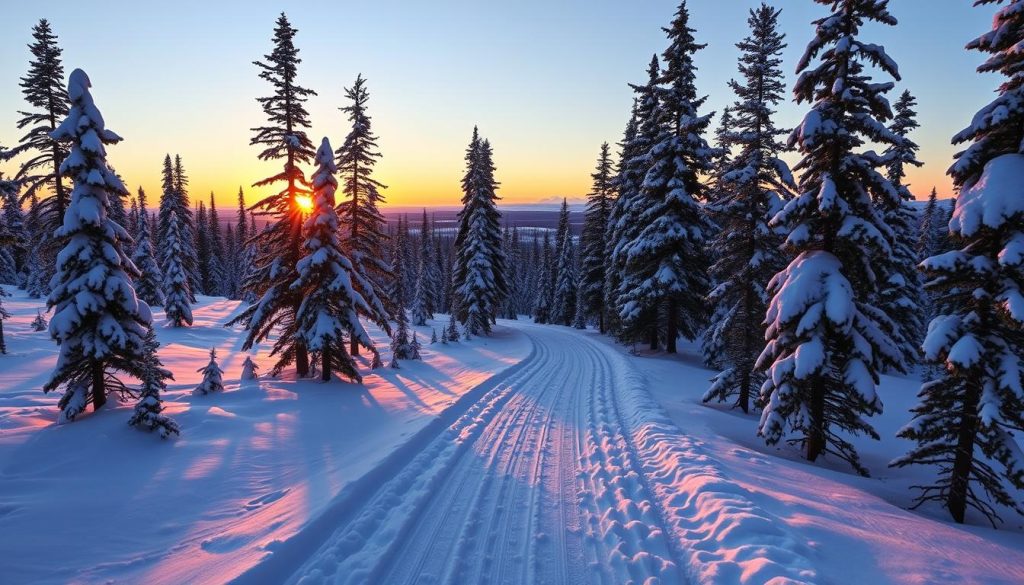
{"points": [[98, 501], [538, 455]]}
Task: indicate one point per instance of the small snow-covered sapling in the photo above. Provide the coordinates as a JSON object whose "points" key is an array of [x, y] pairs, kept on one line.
{"points": [[433, 336], [39, 323], [415, 348], [250, 371], [213, 376]]}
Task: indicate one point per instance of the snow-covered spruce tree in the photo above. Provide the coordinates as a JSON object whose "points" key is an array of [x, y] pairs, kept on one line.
{"points": [[284, 137], [45, 91], [966, 418], [428, 268], [561, 232], [563, 311], [399, 296], [545, 290], [98, 321], [189, 226], [666, 264], [172, 200], [626, 185], [419, 302], [177, 309], [902, 293], [203, 253], [415, 346], [750, 193], [213, 377], [148, 414], [12, 234], [479, 277], [39, 323], [453, 327], [931, 217], [515, 267], [361, 220], [593, 242], [215, 264], [827, 341], [149, 284], [331, 305], [133, 218]]}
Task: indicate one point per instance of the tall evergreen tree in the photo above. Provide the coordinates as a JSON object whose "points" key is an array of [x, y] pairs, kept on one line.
{"points": [[203, 252], [174, 200], [931, 218], [284, 137], [133, 218], [545, 290], [750, 192], [362, 223], [44, 89], [190, 228], [331, 305], [149, 284], [98, 320], [593, 242], [621, 219], [966, 418], [217, 273], [827, 341], [13, 232], [563, 310], [177, 309], [479, 277], [902, 294], [428, 269], [666, 267]]}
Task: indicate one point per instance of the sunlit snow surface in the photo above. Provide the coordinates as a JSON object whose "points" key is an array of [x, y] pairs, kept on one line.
{"points": [[540, 454]]}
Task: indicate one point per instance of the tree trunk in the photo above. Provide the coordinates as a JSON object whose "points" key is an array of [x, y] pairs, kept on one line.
{"points": [[99, 389], [964, 459], [301, 359], [654, 337], [325, 363], [600, 321], [354, 347], [672, 330], [3, 344], [744, 399], [816, 434]]}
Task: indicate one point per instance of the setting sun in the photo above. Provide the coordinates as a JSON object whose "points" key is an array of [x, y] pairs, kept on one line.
{"points": [[305, 203]]}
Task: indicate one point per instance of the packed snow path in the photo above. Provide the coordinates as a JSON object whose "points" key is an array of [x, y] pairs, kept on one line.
{"points": [[563, 472]]}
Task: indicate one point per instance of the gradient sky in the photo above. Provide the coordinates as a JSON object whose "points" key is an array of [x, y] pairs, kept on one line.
{"points": [[546, 80]]}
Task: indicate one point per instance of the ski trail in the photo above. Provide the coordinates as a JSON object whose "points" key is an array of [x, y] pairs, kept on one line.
{"points": [[565, 472]]}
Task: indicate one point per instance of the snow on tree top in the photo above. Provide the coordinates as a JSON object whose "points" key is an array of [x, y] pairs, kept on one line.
{"points": [[992, 199], [78, 84]]}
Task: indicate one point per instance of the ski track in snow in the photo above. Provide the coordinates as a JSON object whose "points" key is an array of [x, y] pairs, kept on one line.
{"points": [[566, 471]]}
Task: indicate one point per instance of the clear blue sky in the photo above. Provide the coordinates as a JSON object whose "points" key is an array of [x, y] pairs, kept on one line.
{"points": [[545, 80]]}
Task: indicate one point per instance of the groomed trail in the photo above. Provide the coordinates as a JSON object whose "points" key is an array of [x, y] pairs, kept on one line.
{"points": [[564, 471]]}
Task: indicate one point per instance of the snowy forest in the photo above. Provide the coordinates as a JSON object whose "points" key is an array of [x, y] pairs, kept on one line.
{"points": [[751, 352]]}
